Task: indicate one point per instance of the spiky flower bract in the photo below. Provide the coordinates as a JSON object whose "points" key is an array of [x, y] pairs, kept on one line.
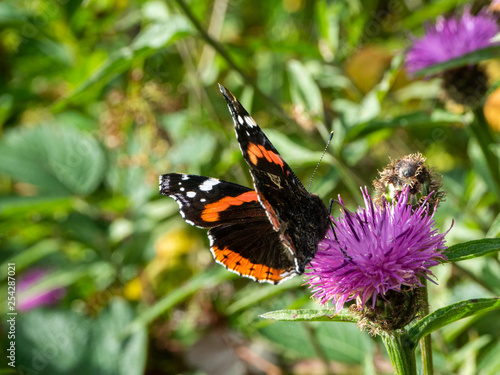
{"points": [[375, 251], [450, 38]]}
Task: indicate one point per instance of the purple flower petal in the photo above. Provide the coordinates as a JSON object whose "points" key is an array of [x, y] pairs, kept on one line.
{"points": [[378, 250], [27, 301], [451, 38]]}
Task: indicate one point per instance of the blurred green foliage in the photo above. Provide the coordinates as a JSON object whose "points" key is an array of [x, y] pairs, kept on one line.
{"points": [[99, 97]]}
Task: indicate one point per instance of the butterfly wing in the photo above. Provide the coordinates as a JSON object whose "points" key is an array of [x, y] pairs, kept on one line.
{"points": [[242, 238], [252, 249], [208, 202], [299, 217]]}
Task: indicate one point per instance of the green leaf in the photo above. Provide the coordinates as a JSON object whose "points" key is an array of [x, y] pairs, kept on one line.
{"points": [[420, 118], [473, 249], [159, 35], [341, 342], [51, 340], [494, 230], [471, 349], [431, 10], [482, 159], [152, 39], [258, 293], [63, 342], [6, 106], [53, 280], [112, 351], [328, 18], [304, 90], [489, 364], [311, 315], [338, 342], [450, 314], [205, 280], [471, 58], [371, 105], [61, 161], [295, 154], [11, 14], [31, 255], [358, 117]]}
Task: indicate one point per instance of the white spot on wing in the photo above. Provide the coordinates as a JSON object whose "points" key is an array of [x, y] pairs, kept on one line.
{"points": [[208, 184], [250, 121], [190, 194], [240, 120], [203, 200], [185, 177], [182, 189]]}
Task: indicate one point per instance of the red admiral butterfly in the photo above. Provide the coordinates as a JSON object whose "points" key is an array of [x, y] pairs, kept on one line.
{"points": [[267, 234]]}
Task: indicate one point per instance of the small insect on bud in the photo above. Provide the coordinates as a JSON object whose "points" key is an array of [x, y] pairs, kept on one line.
{"points": [[411, 171]]}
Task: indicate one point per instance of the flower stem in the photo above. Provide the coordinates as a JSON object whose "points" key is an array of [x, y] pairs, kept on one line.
{"points": [[425, 343], [401, 352]]}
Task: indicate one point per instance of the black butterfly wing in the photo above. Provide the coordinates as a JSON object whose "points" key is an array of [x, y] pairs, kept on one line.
{"points": [[242, 238], [299, 217], [208, 202], [252, 249]]}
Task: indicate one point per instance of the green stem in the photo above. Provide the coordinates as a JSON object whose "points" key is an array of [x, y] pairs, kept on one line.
{"points": [[225, 55], [425, 343], [401, 352]]}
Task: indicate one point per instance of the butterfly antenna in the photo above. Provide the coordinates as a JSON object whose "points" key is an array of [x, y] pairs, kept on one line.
{"points": [[319, 162]]}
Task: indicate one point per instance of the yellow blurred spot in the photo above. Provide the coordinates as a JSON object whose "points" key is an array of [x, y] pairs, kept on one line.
{"points": [[291, 6], [495, 6], [169, 248], [133, 289], [492, 110], [11, 40], [122, 4], [367, 67], [438, 158], [452, 106], [173, 244]]}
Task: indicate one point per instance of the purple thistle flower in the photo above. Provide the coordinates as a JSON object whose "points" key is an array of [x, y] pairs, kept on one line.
{"points": [[379, 249], [451, 38], [28, 301]]}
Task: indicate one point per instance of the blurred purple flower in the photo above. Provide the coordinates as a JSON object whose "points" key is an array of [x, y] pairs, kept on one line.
{"points": [[28, 301], [451, 38], [379, 249]]}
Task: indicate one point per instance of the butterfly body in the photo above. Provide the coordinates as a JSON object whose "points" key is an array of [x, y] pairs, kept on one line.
{"points": [[268, 234]]}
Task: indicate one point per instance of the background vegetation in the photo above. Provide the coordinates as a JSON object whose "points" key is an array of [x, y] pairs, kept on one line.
{"points": [[99, 97]]}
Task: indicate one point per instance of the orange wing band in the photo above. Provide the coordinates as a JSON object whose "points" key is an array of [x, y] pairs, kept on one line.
{"points": [[256, 152], [211, 211], [235, 262]]}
